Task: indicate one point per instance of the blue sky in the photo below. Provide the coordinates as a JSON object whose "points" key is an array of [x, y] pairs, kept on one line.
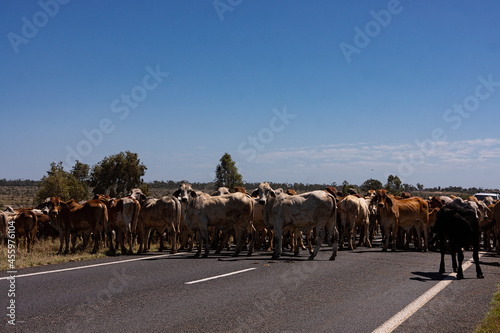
{"points": [[295, 91]]}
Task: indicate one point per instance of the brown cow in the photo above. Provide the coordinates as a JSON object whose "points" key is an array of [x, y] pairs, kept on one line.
{"points": [[405, 213], [72, 218], [26, 224], [123, 215], [495, 217]]}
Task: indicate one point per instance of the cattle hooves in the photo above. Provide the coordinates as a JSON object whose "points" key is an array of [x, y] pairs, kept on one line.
{"points": [[384, 250], [460, 276], [480, 276], [310, 258], [332, 258]]}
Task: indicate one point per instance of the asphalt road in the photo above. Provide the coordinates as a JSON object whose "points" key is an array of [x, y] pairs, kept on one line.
{"points": [[358, 292]]}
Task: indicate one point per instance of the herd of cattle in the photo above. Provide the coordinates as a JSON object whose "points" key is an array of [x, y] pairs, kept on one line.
{"points": [[265, 219]]}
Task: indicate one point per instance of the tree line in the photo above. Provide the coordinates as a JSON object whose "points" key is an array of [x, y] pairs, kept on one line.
{"points": [[118, 174]]}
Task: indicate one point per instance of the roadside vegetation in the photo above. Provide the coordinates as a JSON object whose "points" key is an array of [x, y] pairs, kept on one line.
{"points": [[491, 322]]}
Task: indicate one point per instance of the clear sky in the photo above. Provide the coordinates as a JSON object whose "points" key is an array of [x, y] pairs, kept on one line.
{"points": [[295, 91]]}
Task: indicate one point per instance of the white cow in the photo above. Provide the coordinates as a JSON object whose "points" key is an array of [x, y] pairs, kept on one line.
{"points": [[232, 212], [305, 211], [160, 214], [354, 214]]}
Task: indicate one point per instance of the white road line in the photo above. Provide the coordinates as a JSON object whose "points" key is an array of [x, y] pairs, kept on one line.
{"points": [[220, 276], [91, 266], [414, 306]]}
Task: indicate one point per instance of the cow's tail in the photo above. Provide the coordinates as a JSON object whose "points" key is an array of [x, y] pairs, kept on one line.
{"points": [[332, 218], [135, 218], [105, 219]]}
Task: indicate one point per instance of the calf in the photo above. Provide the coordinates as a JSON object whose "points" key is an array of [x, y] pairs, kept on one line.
{"points": [[460, 226]]}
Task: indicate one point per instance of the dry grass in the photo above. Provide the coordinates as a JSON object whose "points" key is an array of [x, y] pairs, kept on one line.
{"points": [[45, 253], [491, 323]]}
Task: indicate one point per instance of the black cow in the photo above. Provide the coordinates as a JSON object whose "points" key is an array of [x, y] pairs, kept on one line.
{"points": [[460, 226]]}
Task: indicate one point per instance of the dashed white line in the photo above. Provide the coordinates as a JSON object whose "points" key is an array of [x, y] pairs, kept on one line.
{"points": [[220, 276], [414, 306]]}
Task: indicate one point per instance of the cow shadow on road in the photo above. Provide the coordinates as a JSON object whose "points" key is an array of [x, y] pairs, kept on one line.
{"points": [[428, 276]]}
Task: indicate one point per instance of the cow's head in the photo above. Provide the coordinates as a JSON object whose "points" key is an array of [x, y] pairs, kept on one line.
{"points": [[53, 207], [221, 191], [263, 192], [138, 195], [382, 199], [183, 192]]}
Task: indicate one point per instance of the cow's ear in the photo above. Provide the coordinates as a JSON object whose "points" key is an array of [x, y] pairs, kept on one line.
{"points": [[177, 193], [272, 194], [255, 193], [389, 201], [193, 194]]}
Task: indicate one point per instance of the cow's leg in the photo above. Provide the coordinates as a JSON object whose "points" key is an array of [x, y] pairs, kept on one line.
{"points": [[349, 236], [335, 242], [426, 236], [251, 239], [319, 240], [240, 241], [419, 239], [97, 236], [475, 255], [366, 236], [454, 258], [387, 235], [160, 233], [140, 238], [175, 235], [270, 236], [443, 252], [204, 237], [225, 240], [460, 272], [277, 242], [394, 236], [341, 236], [200, 242]]}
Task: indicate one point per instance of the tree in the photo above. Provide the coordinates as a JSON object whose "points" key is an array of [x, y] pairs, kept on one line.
{"points": [[226, 173], [118, 174], [371, 184], [393, 185], [60, 183]]}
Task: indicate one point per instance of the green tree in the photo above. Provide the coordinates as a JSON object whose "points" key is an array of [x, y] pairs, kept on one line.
{"points": [[371, 184], [393, 185], [226, 173], [118, 174], [60, 183]]}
